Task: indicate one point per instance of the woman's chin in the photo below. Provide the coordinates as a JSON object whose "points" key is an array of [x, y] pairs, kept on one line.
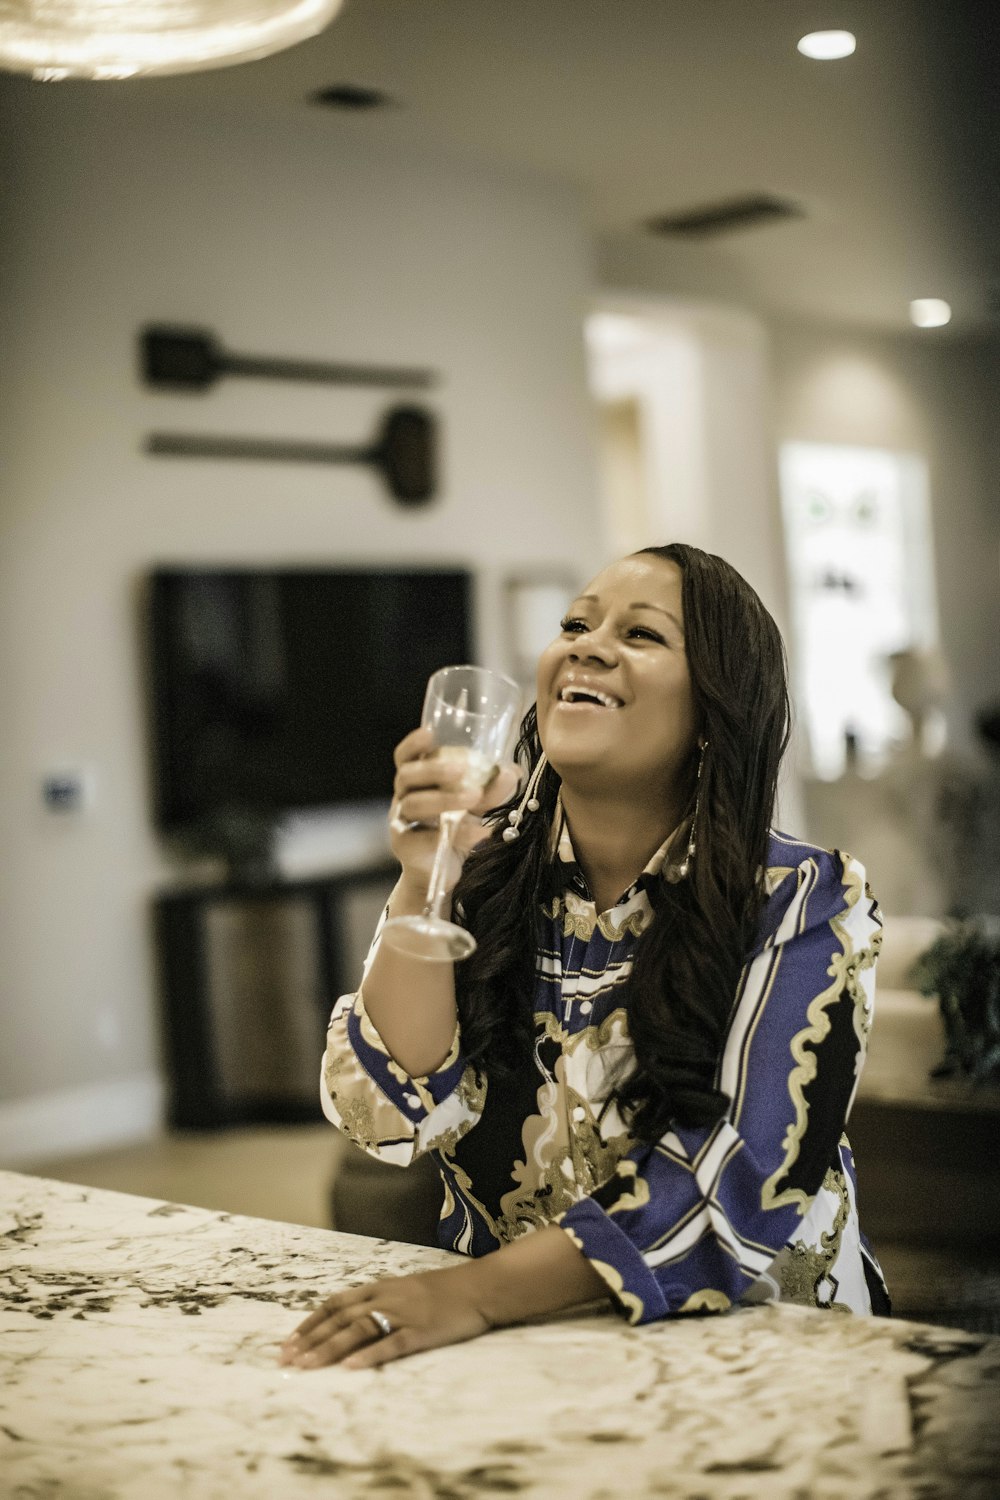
{"points": [[582, 740], [578, 766]]}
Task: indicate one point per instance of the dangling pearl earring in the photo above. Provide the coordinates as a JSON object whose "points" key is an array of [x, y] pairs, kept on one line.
{"points": [[683, 870], [528, 802]]}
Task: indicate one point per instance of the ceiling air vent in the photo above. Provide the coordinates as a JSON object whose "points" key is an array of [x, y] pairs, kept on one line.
{"points": [[351, 96], [722, 218]]}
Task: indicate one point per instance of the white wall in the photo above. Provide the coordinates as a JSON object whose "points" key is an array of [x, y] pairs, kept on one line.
{"points": [[933, 396], [700, 376], [291, 237]]}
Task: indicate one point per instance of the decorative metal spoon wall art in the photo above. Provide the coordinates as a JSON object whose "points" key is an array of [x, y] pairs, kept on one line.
{"points": [[403, 451], [192, 359]]}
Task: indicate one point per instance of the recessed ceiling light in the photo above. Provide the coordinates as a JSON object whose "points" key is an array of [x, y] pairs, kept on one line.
{"points": [[930, 312], [828, 45]]}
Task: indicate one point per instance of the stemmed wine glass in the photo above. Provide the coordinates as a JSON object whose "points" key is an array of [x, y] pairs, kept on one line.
{"points": [[471, 713]]}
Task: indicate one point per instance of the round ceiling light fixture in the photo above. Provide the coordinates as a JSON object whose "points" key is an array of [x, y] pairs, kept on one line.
{"points": [[930, 312], [109, 39], [827, 46]]}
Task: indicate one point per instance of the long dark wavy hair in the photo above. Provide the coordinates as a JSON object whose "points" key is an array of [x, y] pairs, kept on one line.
{"points": [[688, 962]]}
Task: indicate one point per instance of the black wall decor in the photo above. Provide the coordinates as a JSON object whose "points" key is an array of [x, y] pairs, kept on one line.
{"points": [[404, 450], [192, 359]]}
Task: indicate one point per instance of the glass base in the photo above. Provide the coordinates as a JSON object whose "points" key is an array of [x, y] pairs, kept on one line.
{"points": [[430, 938]]}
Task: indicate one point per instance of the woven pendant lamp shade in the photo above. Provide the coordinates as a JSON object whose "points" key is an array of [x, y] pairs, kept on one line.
{"points": [[54, 39]]}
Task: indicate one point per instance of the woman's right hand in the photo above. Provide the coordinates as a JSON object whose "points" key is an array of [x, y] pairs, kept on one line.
{"points": [[424, 788]]}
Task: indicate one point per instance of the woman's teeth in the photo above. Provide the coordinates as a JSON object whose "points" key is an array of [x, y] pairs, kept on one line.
{"points": [[588, 695]]}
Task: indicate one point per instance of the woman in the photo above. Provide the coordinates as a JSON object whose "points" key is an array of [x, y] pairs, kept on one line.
{"points": [[649, 1059]]}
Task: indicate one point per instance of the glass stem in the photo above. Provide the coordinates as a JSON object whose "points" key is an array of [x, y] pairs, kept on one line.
{"points": [[437, 890]]}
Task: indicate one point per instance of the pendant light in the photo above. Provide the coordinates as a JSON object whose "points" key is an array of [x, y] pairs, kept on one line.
{"points": [[141, 38]]}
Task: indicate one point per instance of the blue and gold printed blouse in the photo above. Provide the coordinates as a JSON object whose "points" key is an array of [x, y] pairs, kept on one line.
{"points": [[761, 1206]]}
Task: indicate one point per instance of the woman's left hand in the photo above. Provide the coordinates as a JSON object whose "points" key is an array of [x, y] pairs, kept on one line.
{"points": [[423, 1311]]}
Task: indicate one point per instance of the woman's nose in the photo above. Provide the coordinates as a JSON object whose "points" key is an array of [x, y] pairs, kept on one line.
{"points": [[593, 647]]}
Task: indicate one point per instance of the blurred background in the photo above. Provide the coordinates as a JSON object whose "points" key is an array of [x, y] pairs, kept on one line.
{"points": [[638, 270]]}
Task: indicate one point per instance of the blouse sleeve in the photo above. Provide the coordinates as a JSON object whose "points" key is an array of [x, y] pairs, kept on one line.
{"points": [[375, 1102], [689, 1223]]}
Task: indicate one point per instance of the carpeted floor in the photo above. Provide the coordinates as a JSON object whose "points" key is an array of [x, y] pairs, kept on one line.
{"points": [[272, 1172]]}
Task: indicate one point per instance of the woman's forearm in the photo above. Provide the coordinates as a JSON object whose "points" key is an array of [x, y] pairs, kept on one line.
{"points": [[411, 1003], [539, 1273]]}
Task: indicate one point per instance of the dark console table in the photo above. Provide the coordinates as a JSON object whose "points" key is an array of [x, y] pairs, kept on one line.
{"points": [[248, 975]]}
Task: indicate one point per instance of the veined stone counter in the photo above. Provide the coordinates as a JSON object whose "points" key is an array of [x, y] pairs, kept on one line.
{"points": [[138, 1343]]}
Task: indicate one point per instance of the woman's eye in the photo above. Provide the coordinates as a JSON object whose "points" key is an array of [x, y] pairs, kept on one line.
{"points": [[570, 627], [645, 634]]}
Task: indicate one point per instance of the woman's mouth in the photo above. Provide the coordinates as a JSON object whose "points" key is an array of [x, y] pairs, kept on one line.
{"points": [[576, 696]]}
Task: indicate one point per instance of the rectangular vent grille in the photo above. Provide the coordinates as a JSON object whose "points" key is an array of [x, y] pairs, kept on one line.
{"points": [[722, 218]]}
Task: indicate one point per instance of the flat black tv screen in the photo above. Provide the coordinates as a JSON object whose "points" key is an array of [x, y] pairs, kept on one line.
{"points": [[282, 689]]}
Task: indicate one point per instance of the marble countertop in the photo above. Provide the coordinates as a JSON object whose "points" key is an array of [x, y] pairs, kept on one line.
{"points": [[137, 1360]]}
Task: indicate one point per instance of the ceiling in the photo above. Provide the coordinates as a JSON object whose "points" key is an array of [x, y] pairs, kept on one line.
{"points": [[653, 106]]}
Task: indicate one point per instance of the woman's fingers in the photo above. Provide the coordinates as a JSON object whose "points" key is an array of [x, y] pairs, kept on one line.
{"points": [[427, 807], [331, 1327], [424, 789], [417, 743], [343, 1324], [423, 1311], [334, 1312], [425, 774], [426, 786], [429, 773], [394, 1346], [335, 1344], [328, 1309]]}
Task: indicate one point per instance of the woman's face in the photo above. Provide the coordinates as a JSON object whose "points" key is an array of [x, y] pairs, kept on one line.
{"points": [[615, 707]]}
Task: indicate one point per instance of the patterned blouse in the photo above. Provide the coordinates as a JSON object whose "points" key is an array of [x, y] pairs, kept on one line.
{"points": [[761, 1206]]}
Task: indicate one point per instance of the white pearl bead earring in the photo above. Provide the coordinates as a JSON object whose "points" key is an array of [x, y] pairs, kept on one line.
{"points": [[528, 803]]}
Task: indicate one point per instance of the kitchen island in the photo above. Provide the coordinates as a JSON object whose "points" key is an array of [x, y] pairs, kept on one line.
{"points": [[138, 1344]]}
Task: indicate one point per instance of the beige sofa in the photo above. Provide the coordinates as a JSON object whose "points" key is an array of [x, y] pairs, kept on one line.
{"points": [[907, 1039], [368, 1196], [926, 1148]]}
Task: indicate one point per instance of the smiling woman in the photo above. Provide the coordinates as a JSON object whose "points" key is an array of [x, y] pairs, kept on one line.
{"points": [[615, 708], [636, 1088]]}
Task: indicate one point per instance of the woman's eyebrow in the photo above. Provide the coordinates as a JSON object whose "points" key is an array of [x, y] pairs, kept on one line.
{"points": [[593, 599], [659, 610]]}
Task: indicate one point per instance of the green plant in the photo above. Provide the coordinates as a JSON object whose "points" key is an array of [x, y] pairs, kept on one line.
{"points": [[962, 968]]}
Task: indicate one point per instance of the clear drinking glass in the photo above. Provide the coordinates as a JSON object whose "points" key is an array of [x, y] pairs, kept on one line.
{"points": [[471, 713]]}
